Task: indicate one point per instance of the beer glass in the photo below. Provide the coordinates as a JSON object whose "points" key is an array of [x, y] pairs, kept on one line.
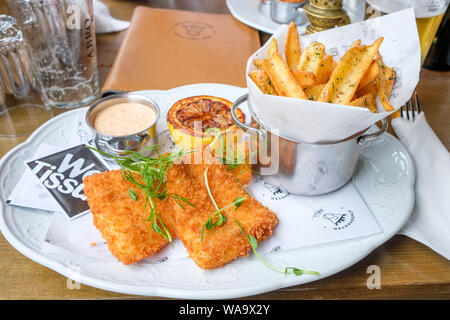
{"points": [[429, 14], [61, 34], [23, 102]]}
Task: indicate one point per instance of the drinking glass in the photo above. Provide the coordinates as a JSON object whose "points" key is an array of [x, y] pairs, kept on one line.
{"points": [[62, 36], [429, 14], [23, 102]]}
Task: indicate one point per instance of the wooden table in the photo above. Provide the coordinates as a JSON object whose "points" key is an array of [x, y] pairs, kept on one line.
{"points": [[408, 268]]}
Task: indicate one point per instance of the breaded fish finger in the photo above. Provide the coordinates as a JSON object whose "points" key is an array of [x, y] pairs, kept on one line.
{"points": [[120, 219], [223, 244]]}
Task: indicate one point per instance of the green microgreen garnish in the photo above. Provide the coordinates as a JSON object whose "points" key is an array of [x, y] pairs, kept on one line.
{"points": [[149, 175], [132, 194], [237, 202], [220, 217], [246, 190], [254, 244], [209, 224], [205, 174], [230, 161]]}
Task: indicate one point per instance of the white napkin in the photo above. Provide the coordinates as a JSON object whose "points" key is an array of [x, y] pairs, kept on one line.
{"points": [[104, 22], [430, 220]]}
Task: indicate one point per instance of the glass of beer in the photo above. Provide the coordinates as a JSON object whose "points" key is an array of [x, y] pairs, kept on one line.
{"points": [[23, 103], [62, 37], [429, 14]]}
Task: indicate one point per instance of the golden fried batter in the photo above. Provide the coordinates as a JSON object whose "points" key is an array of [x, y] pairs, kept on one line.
{"points": [[223, 244], [120, 219]]}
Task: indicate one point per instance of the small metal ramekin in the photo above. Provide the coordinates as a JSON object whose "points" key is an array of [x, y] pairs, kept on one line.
{"points": [[120, 145], [284, 12]]}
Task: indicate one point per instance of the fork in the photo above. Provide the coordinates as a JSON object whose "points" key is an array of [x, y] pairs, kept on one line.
{"points": [[412, 104]]}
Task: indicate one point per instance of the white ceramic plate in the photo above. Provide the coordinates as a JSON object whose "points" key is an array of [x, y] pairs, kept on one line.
{"points": [[257, 15], [385, 179]]}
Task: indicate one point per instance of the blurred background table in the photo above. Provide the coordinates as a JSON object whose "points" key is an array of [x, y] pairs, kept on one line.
{"points": [[408, 268]]}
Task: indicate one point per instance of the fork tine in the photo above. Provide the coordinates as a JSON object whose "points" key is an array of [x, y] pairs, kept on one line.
{"points": [[402, 110], [407, 109], [417, 103], [413, 109]]}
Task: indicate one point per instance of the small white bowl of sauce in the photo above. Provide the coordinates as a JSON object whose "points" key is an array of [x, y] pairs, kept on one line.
{"points": [[124, 122]]}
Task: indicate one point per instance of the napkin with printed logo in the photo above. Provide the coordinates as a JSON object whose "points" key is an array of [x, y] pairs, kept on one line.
{"points": [[54, 180], [304, 221]]}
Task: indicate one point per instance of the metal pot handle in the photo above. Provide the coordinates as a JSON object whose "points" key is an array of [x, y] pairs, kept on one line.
{"points": [[373, 136], [241, 99]]}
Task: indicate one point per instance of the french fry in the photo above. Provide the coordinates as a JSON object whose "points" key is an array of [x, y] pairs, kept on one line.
{"points": [[326, 67], [370, 75], [396, 114], [370, 88], [356, 80], [263, 82], [292, 50], [304, 79], [273, 47], [356, 43], [282, 79], [366, 101], [258, 63], [385, 82], [344, 80], [313, 93], [311, 57]]}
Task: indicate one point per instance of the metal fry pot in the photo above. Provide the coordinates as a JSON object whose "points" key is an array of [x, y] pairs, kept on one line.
{"points": [[120, 145], [304, 168]]}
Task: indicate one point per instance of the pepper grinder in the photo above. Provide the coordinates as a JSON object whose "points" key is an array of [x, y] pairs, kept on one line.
{"points": [[325, 14]]}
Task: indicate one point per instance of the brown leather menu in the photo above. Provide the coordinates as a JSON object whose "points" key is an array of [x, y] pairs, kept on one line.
{"points": [[164, 49]]}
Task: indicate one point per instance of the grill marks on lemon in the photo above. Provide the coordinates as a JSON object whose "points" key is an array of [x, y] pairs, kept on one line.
{"points": [[190, 120], [211, 114]]}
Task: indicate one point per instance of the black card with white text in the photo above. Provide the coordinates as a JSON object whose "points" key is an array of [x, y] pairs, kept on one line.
{"points": [[62, 174]]}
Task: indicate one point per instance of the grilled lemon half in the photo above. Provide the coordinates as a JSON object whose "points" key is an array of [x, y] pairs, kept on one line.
{"points": [[199, 120]]}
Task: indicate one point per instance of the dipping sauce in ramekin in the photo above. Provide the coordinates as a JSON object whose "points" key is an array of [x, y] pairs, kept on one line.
{"points": [[123, 119], [124, 122]]}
